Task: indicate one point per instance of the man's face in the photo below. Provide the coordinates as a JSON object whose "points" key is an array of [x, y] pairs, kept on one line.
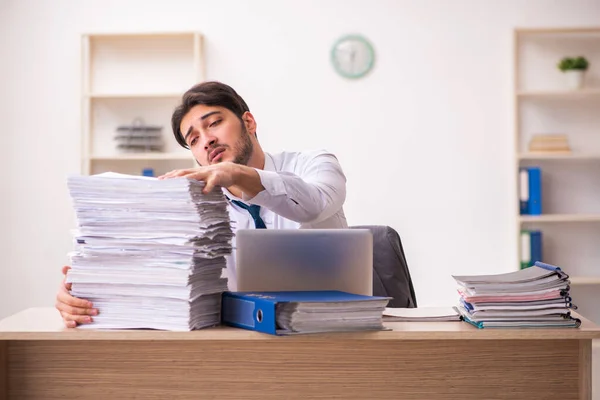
{"points": [[215, 134]]}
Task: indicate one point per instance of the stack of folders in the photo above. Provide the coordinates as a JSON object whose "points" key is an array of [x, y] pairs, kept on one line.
{"points": [[149, 253], [535, 297], [287, 313]]}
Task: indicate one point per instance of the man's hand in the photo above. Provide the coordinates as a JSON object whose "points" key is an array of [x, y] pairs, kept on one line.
{"points": [[235, 177], [223, 174], [73, 310]]}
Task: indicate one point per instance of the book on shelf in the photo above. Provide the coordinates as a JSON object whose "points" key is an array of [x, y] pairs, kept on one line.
{"points": [[531, 247], [530, 191], [549, 143]]}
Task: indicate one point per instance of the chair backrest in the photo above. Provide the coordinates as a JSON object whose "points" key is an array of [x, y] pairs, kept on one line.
{"points": [[391, 277]]}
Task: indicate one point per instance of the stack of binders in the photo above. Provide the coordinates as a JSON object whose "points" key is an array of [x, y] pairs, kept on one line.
{"points": [[149, 253], [535, 297]]}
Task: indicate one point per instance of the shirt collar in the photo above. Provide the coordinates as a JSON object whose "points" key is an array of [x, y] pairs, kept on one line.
{"points": [[269, 163]]}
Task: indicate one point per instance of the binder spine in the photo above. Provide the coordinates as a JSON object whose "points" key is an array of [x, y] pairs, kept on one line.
{"points": [[523, 191], [525, 249], [536, 246], [535, 191], [249, 313]]}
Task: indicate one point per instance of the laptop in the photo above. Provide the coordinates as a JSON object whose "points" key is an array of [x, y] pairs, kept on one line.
{"points": [[304, 259]]}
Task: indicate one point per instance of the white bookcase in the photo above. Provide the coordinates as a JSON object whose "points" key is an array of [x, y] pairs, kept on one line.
{"points": [[129, 76], [570, 220]]}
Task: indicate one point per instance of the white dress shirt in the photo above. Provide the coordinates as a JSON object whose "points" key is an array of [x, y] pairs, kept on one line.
{"points": [[302, 190]]}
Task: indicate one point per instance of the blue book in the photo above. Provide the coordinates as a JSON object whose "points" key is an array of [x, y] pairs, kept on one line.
{"points": [[284, 313], [535, 191], [536, 246], [530, 191]]}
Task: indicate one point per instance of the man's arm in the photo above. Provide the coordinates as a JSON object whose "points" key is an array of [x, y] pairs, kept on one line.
{"points": [[315, 193]]}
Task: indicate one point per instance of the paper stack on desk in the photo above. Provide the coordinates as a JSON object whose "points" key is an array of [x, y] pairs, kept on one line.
{"points": [[534, 297], [149, 253], [297, 312], [421, 314]]}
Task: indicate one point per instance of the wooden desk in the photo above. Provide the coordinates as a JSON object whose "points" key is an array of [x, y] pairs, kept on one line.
{"points": [[41, 360]]}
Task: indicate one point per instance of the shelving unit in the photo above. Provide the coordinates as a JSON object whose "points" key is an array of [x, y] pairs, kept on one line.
{"points": [[135, 76], [559, 218], [135, 95], [570, 220], [585, 280], [559, 156], [558, 94]]}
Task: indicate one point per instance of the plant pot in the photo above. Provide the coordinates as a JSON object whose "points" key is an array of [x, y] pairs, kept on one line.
{"points": [[574, 79]]}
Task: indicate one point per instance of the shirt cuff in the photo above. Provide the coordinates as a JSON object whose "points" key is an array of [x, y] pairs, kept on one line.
{"points": [[273, 184]]}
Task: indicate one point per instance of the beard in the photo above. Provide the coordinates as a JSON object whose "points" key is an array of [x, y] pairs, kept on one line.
{"points": [[243, 148]]}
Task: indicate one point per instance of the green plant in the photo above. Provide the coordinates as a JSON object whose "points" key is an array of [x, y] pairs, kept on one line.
{"points": [[573, 63]]}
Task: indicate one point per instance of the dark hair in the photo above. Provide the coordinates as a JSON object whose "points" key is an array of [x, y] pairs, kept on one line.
{"points": [[209, 94]]}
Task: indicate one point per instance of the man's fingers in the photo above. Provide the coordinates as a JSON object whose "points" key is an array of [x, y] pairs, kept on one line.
{"points": [[66, 285], [209, 186], [68, 323], [77, 319], [176, 173], [65, 269], [65, 298], [168, 174], [197, 175], [75, 310]]}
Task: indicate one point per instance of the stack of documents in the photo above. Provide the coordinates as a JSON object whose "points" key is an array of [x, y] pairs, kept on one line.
{"points": [[534, 297], [286, 313], [149, 253], [421, 314]]}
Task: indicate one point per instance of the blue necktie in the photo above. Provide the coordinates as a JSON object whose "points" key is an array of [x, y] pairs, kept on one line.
{"points": [[254, 211]]}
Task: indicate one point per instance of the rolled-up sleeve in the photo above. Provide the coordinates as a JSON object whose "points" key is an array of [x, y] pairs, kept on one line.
{"points": [[315, 192]]}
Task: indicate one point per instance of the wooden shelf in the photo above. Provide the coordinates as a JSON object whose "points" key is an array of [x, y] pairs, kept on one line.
{"points": [[560, 218], [140, 35], [144, 156], [172, 95], [585, 280], [558, 156], [566, 94], [578, 32]]}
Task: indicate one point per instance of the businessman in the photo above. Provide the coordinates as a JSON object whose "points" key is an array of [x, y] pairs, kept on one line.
{"points": [[288, 190]]}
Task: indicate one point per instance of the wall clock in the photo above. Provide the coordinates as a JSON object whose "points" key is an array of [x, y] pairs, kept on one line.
{"points": [[352, 56]]}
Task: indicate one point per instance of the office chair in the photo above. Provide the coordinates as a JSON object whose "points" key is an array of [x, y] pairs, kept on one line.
{"points": [[391, 277]]}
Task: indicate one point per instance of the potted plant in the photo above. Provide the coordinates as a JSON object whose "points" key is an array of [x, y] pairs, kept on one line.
{"points": [[574, 69]]}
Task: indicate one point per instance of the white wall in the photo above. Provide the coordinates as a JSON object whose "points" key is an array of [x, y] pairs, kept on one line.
{"points": [[426, 140]]}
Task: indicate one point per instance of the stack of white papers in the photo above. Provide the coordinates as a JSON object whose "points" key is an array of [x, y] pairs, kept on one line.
{"points": [[534, 297], [421, 314], [149, 253], [349, 313]]}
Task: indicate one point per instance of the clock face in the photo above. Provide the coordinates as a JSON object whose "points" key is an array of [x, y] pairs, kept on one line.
{"points": [[352, 56]]}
